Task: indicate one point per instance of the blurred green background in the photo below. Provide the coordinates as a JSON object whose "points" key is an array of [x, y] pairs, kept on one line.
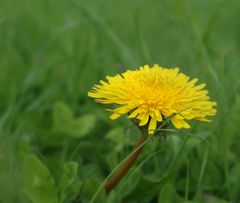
{"points": [[58, 145]]}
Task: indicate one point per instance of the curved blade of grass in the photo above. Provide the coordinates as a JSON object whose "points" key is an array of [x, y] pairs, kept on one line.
{"points": [[203, 167]]}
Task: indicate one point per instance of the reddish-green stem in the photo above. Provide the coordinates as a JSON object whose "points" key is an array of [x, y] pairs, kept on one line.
{"points": [[123, 169]]}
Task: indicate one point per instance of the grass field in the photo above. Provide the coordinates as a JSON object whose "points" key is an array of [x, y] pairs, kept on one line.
{"points": [[57, 145]]}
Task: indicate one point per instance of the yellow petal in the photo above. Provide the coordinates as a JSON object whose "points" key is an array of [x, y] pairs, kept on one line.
{"points": [[134, 113], [144, 120], [185, 124], [199, 87], [122, 110], [203, 120], [115, 116], [152, 126], [158, 115], [176, 122]]}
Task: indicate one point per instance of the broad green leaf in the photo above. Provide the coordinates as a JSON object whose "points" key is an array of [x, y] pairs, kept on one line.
{"points": [[64, 121], [128, 183], [147, 188], [113, 197], [89, 188], [38, 182], [69, 184], [62, 114], [112, 160], [82, 125], [214, 199], [62, 118], [197, 139], [116, 135], [121, 138], [212, 177], [167, 194], [234, 186]]}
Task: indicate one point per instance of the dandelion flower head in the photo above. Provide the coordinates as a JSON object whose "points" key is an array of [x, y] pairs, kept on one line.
{"points": [[151, 95]]}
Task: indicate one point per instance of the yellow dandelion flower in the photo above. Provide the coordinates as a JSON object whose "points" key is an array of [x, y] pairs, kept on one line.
{"points": [[153, 94]]}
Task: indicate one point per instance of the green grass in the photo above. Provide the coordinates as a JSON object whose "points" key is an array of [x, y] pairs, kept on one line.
{"points": [[58, 145]]}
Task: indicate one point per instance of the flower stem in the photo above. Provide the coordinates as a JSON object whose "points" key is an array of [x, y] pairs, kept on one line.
{"points": [[123, 169]]}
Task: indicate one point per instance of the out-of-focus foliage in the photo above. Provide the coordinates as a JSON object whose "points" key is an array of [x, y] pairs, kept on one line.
{"points": [[58, 145]]}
